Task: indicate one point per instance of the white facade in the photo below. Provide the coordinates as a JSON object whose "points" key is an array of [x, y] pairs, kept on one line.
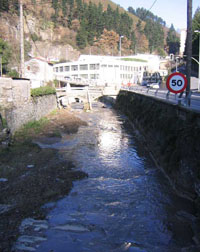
{"points": [[183, 41], [102, 70], [39, 71]]}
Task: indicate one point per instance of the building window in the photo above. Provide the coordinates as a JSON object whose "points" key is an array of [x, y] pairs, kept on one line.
{"points": [[74, 67], [116, 66], [94, 76], [94, 66], [84, 76], [66, 68], [84, 67], [56, 69], [103, 66], [110, 65], [61, 69]]}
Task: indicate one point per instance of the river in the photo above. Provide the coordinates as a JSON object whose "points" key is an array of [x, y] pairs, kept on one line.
{"points": [[125, 204]]}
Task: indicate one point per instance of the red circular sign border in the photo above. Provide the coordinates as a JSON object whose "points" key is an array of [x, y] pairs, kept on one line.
{"points": [[168, 80]]}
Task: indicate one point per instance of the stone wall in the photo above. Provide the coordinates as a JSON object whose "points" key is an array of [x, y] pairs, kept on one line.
{"points": [[18, 107], [34, 109], [14, 92]]}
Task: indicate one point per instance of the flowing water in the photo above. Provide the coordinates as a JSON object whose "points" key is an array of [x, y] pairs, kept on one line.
{"points": [[125, 204]]}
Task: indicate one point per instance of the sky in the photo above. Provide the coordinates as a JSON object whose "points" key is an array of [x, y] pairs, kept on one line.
{"points": [[171, 11]]}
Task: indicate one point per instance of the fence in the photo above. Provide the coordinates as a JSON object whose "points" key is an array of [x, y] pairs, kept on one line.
{"points": [[194, 97]]}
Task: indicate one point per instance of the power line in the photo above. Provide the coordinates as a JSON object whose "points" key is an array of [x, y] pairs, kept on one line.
{"points": [[32, 36], [152, 5]]}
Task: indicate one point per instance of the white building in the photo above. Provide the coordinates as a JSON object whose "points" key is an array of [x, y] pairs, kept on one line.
{"points": [[102, 70], [39, 71], [183, 41]]}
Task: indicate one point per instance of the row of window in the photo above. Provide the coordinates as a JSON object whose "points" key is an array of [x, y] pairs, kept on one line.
{"points": [[96, 76], [75, 68], [126, 76], [96, 67]]}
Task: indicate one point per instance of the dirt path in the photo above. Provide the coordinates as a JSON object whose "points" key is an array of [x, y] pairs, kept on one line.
{"points": [[31, 176]]}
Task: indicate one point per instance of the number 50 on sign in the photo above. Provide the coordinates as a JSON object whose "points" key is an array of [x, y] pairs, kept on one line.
{"points": [[176, 83]]}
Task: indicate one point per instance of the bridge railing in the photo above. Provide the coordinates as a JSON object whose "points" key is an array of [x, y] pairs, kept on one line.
{"points": [[194, 97]]}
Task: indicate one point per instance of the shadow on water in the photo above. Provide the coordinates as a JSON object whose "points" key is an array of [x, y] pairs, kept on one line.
{"points": [[125, 204]]}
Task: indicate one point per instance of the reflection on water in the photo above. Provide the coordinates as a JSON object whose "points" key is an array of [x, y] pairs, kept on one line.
{"points": [[125, 204]]}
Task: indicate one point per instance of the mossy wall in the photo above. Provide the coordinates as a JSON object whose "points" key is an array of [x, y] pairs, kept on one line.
{"points": [[172, 135]]}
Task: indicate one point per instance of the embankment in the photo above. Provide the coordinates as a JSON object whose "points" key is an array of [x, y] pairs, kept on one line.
{"points": [[172, 135]]}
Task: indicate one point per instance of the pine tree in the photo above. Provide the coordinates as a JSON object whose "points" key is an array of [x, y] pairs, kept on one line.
{"points": [[173, 41], [4, 5]]}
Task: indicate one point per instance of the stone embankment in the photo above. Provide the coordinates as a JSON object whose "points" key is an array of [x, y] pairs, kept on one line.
{"points": [[172, 135], [17, 107]]}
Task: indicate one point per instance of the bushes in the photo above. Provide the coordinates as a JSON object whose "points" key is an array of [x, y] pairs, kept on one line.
{"points": [[42, 91]]}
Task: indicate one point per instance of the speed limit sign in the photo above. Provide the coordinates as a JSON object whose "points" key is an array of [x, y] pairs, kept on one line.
{"points": [[176, 83]]}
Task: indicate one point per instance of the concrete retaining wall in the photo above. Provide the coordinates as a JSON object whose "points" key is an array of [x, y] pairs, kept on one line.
{"points": [[172, 135]]}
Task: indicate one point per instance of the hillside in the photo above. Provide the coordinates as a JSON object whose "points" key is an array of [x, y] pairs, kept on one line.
{"points": [[62, 29]]}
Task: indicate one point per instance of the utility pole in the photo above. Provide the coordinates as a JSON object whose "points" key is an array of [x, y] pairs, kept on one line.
{"points": [[1, 59], [120, 45], [21, 39], [189, 49]]}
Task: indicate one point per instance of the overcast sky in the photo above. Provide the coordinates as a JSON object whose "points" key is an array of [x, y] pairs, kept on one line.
{"points": [[172, 11]]}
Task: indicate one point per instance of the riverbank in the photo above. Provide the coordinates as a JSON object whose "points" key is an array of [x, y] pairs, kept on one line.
{"points": [[31, 176], [172, 138]]}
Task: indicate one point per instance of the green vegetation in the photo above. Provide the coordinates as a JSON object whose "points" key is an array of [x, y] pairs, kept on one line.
{"points": [[173, 42], [13, 74], [4, 122], [132, 59], [6, 5], [5, 51], [146, 15], [195, 42], [42, 91], [93, 19], [31, 128], [153, 29]]}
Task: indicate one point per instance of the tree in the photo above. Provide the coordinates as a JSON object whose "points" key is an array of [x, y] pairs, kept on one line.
{"points": [[81, 37], [155, 35], [195, 37], [5, 51], [173, 41], [4, 5]]}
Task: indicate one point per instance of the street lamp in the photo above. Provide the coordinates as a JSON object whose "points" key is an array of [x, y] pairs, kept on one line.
{"points": [[1, 63], [177, 63], [198, 61], [120, 45]]}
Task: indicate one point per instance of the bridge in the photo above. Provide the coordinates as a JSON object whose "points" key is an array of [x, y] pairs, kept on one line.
{"points": [[83, 94]]}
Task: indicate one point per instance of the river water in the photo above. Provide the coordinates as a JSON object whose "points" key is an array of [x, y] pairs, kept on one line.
{"points": [[125, 204]]}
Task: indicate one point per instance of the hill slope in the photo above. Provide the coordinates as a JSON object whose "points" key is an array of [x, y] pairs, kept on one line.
{"points": [[62, 29]]}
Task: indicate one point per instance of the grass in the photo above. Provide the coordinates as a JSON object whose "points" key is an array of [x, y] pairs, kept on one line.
{"points": [[132, 59], [32, 127]]}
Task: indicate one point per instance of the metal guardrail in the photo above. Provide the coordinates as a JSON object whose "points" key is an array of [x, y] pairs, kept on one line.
{"points": [[165, 95]]}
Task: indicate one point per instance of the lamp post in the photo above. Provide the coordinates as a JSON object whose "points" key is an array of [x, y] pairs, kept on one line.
{"points": [[198, 61], [177, 63], [1, 63], [120, 45]]}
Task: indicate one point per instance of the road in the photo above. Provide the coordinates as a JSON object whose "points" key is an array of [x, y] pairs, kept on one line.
{"points": [[169, 97]]}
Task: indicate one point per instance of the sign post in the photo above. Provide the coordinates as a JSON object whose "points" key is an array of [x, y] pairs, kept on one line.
{"points": [[176, 83]]}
